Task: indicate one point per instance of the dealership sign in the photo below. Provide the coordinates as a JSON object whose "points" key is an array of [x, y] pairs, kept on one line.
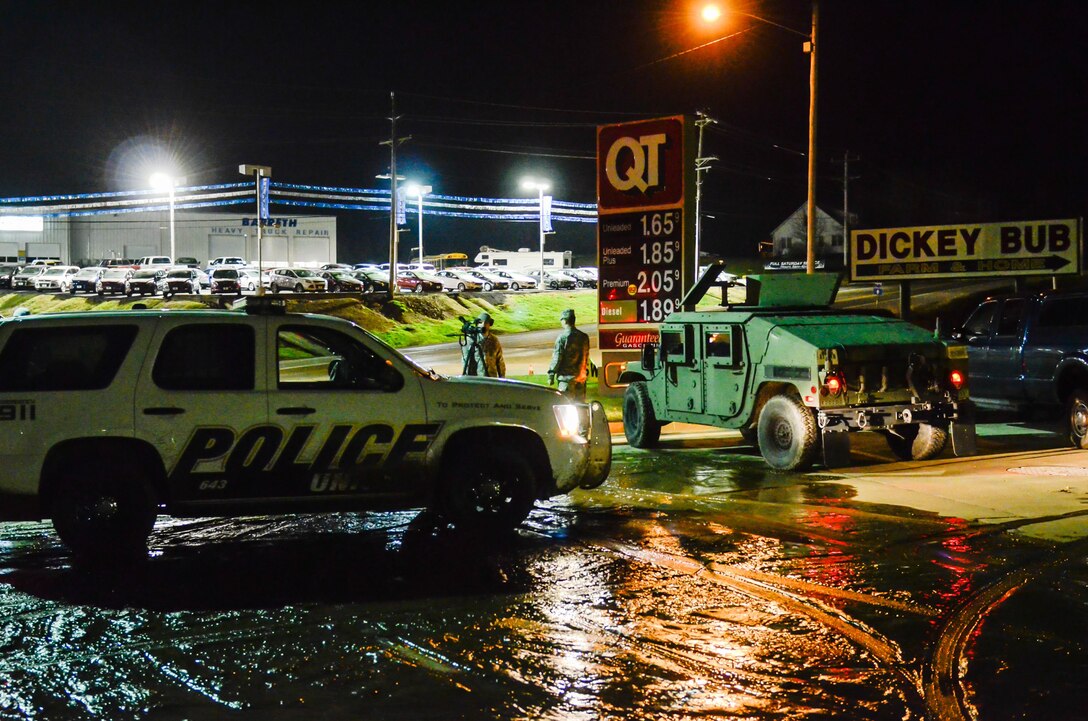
{"points": [[1038, 247]]}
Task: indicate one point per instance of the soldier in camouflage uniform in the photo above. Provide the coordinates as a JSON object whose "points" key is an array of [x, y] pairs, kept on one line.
{"points": [[570, 359]]}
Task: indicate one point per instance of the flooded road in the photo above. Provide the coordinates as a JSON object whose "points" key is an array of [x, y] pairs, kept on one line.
{"points": [[695, 583]]}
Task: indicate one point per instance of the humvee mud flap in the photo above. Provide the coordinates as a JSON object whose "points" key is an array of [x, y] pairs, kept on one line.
{"points": [[836, 448], [962, 430]]}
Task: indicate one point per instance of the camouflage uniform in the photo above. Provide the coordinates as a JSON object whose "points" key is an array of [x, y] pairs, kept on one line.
{"points": [[570, 359], [484, 356]]}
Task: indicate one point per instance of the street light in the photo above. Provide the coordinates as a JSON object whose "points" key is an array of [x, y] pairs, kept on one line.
{"points": [[165, 181], [711, 13], [539, 186], [415, 190]]}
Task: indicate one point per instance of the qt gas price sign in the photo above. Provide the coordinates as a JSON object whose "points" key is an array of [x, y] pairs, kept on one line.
{"points": [[641, 261]]}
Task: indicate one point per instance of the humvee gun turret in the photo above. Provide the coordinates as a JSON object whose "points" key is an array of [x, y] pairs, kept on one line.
{"points": [[797, 376]]}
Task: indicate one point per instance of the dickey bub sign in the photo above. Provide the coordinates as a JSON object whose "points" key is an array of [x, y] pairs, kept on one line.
{"points": [[1040, 247]]}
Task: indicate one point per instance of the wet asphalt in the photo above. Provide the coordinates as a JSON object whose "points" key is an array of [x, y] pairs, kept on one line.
{"points": [[695, 583]]}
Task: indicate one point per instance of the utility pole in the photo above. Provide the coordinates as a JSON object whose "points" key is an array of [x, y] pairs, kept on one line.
{"points": [[702, 164], [846, 158], [393, 232], [810, 265]]}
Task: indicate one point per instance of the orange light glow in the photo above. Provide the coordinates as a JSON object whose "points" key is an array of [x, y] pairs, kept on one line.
{"points": [[834, 385], [711, 13], [956, 379]]}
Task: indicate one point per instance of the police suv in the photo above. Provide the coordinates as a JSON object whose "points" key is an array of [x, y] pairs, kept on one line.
{"points": [[113, 417]]}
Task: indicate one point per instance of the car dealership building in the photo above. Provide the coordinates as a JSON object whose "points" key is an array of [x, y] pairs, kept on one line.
{"points": [[299, 240]]}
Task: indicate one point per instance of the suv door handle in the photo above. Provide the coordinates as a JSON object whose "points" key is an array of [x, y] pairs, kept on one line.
{"points": [[297, 411], [163, 411]]}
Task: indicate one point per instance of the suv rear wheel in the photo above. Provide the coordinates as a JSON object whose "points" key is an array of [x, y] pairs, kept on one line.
{"points": [[493, 490], [107, 512], [787, 434], [640, 424]]}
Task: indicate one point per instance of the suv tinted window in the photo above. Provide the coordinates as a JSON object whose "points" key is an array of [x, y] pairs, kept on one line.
{"points": [[206, 357], [64, 359], [1011, 313], [1064, 312]]}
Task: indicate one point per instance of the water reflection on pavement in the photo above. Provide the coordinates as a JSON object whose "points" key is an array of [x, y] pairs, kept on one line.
{"points": [[695, 583]]}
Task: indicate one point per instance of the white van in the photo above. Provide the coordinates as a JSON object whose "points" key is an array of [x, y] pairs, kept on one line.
{"points": [[154, 261]]}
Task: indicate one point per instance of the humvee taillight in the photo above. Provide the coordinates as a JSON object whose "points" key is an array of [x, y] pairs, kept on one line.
{"points": [[956, 379]]}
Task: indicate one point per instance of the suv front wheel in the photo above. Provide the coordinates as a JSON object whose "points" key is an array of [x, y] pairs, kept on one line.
{"points": [[489, 491], [1077, 413]]}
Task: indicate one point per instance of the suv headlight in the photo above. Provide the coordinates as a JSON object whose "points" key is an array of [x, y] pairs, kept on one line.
{"points": [[573, 421]]}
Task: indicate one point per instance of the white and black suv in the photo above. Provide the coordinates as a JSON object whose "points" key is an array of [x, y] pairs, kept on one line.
{"points": [[232, 412]]}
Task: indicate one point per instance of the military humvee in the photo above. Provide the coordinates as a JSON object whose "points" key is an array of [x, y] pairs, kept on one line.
{"points": [[798, 377]]}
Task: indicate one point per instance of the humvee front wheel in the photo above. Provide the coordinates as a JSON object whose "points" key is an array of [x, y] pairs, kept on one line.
{"points": [[787, 434], [640, 425], [917, 442], [489, 491], [105, 513]]}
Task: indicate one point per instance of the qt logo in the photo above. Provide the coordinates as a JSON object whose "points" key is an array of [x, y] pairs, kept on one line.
{"points": [[644, 171]]}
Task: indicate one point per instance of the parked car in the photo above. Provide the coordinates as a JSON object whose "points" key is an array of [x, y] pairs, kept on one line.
{"points": [[112, 281], [86, 280], [553, 281], [415, 282], [44, 261], [117, 263], [337, 266], [188, 262], [582, 279], [1029, 353], [226, 260], [251, 278], [144, 281], [449, 285], [488, 280], [464, 280], [341, 281], [422, 267], [155, 261], [6, 273], [224, 279], [24, 278], [373, 280], [517, 279], [367, 266], [55, 278], [181, 280], [299, 280]]}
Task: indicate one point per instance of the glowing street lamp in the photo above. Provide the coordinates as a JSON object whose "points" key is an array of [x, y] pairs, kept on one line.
{"points": [[415, 190], [164, 181], [539, 186]]}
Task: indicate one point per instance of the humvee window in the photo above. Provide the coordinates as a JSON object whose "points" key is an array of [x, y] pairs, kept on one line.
{"points": [[719, 345]]}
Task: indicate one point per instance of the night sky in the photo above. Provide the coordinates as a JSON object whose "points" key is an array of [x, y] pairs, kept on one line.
{"points": [[951, 111]]}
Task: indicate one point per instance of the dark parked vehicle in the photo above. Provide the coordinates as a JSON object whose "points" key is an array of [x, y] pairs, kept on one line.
{"points": [[180, 280], [225, 280], [144, 282], [86, 280], [411, 281], [341, 281], [188, 262], [6, 273], [374, 281], [1029, 352], [113, 281]]}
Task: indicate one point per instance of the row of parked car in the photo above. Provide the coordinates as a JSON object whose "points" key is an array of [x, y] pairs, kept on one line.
{"points": [[156, 275]]}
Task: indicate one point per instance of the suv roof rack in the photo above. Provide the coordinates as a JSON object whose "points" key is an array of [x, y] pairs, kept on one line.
{"points": [[260, 305]]}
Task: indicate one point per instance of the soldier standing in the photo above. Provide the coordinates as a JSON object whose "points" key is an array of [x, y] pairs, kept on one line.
{"points": [[483, 355], [570, 359]]}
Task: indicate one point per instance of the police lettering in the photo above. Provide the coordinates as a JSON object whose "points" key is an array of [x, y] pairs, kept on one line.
{"points": [[268, 449]]}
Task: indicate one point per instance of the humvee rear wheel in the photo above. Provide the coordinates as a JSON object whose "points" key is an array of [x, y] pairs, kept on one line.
{"points": [[103, 514], [787, 434], [1078, 419], [492, 490], [917, 442], [640, 425]]}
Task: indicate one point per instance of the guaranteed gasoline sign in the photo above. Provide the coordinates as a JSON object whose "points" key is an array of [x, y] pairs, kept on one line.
{"points": [[1037, 247]]}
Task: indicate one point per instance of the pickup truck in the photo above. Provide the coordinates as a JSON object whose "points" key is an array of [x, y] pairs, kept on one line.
{"points": [[1029, 352]]}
